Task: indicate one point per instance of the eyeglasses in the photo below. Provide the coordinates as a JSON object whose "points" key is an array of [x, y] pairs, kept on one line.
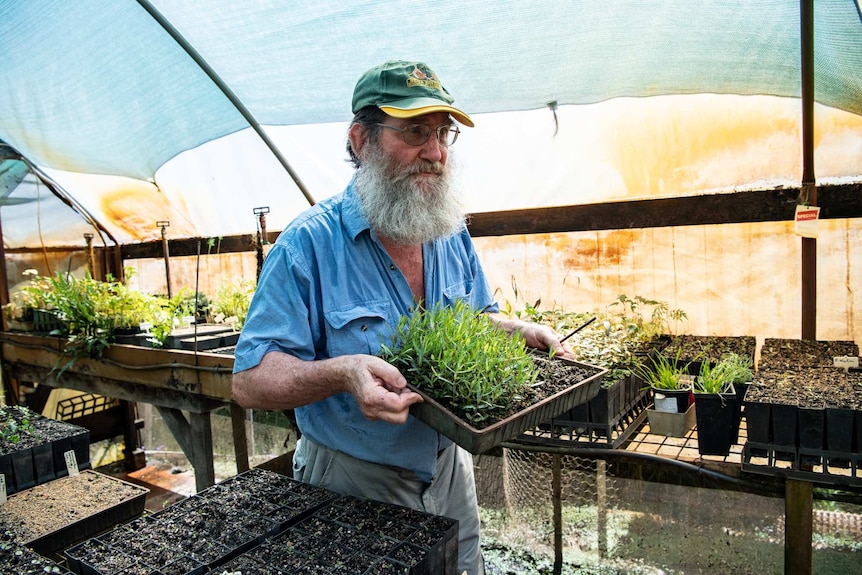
{"points": [[418, 134]]}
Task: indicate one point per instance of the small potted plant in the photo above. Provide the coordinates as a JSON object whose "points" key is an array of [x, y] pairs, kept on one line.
{"points": [[673, 407], [670, 381], [715, 398]]}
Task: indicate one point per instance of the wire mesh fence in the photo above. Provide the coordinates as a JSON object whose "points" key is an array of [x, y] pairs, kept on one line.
{"points": [[612, 523]]}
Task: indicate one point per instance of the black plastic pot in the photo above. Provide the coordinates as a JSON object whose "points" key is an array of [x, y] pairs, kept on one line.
{"points": [[43, 463], [737, 401], [606, 404], [811, 422], [23, 471], [6, 472], [839, 434], [857, 427], [784, 425], [758, 424], [715, 414]]}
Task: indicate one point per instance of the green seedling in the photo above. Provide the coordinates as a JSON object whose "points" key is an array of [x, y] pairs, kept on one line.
{"points": [[462, 359]]}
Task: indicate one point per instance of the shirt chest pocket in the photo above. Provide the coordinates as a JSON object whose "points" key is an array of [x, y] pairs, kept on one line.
{"points": [[358, 328]]}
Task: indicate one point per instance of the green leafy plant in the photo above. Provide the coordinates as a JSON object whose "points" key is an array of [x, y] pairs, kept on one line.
{"points": [[188, 303], [711, 379], [737, 367], [16, 425], [24, 300], [624, 328], [462, 359], [660, 317], [231, 303]]}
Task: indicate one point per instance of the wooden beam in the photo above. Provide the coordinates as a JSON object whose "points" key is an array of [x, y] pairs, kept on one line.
{"points": [[835, 202], [732, 208]]}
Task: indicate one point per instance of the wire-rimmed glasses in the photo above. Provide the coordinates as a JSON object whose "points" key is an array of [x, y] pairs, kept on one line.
{"points": [[418, 134]]}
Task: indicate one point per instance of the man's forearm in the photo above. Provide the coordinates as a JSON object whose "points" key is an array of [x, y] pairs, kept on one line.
{"points": [[282, 381]]}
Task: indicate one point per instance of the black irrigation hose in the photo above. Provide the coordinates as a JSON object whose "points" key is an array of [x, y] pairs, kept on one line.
{"points": [[823, 494]]}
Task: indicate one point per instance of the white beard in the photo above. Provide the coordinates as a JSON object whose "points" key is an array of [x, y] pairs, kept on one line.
{"points": [[403, 210]]}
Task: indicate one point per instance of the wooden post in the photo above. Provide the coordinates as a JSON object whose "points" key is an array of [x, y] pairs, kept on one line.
{"points": [[798, 526], [240, 440]]}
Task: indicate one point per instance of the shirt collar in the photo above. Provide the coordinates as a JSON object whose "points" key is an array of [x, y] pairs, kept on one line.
{"points": [[354, 220]]}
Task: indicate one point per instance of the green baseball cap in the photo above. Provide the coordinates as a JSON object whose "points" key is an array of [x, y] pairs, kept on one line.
{"points": [[405, 90]]}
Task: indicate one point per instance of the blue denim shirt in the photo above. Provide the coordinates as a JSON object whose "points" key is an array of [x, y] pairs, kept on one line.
{"points": [[329, 288]]}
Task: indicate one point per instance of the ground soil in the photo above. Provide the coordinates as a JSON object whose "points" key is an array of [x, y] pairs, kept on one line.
{"points": [[800, 372], [784, 354], [46, 508], [698, 348]]}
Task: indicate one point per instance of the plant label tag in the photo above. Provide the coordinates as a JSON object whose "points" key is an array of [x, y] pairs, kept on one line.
{"points": [[188, 320], [846, 362], [2, 488], [665, 403], [806, 221], [71, 462], [145, 326]]}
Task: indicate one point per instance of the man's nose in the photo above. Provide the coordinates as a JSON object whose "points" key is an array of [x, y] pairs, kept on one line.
{"points": [[432, 149]]}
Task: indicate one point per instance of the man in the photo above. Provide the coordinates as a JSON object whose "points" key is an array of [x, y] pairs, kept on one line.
{"points": [[333, 287]]}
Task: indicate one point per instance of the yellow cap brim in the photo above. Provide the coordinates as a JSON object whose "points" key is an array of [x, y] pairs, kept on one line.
{"points": [[396, 112]]}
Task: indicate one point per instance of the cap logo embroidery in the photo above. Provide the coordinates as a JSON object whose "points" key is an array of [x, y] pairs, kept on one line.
{"points": [[424, 78]]}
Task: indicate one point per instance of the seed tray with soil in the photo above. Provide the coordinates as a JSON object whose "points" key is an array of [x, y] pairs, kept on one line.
{"points": [[561, 385], [230, 526], [55, 515]]}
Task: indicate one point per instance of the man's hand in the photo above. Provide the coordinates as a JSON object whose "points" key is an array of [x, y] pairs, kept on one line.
{"points": [[536, 335], [380, 389], [542, 336]]}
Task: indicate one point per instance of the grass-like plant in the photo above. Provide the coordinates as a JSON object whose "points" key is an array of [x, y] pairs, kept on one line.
{"points": [[711, 379], [738, 368], [462, 359], [730, 370], [663, 372]]}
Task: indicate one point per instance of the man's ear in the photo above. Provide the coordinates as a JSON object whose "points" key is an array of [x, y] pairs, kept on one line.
{"points": [[357, 134]]}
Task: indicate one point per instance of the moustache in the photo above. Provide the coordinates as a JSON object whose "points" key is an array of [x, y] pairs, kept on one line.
{"points": [[424, 166]]}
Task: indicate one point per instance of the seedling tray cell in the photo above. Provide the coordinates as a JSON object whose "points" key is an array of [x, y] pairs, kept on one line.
{"points": [[476, 441]]}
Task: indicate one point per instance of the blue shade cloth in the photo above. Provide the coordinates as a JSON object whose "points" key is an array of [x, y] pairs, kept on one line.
{"points": [[100, 87]]}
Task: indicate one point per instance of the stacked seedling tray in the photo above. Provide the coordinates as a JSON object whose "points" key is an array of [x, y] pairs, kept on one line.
{"points": [[804, 412], [263, 522], [607, 420], [36, 449]]}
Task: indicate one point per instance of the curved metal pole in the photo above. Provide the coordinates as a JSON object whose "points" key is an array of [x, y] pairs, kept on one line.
{"points": [[208, 70]]}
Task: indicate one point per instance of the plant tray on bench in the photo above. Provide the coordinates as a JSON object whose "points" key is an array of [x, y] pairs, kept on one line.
{"points": [[585, 383], [54, 515]]}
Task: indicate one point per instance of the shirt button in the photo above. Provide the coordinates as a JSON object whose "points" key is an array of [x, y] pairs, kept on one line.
{"points": [[392, 267], [364, 327]]}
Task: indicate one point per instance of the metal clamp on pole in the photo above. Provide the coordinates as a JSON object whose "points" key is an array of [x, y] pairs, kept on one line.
{"points": [[163, 224]]}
